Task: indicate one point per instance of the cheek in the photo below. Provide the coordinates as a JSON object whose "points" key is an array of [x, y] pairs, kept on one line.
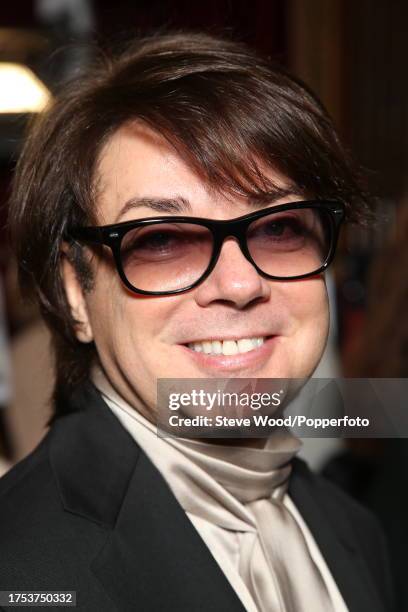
{"points": [[131, 346], [310, 312], [310, 303], [121, 320], [127, 328]]}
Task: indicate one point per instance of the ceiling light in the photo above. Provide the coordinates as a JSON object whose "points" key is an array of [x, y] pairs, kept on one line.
{"points": [[20, 90]]}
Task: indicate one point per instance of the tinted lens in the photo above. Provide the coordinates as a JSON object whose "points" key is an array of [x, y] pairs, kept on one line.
{"points": [[166, 256], [291, 243]]}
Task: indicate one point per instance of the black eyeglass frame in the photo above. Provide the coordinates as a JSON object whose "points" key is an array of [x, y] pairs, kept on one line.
{"points": [[112, 236]]}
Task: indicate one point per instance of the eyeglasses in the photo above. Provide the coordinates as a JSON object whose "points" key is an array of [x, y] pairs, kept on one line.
{"points": [[171, 254]]}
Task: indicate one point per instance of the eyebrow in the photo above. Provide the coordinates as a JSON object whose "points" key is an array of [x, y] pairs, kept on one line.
{"points": [[163, 205], [268, 198], [180, 205]]}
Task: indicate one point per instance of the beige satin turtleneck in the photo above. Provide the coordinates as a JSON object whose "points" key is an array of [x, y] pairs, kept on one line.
{"points": [[236, 497]]}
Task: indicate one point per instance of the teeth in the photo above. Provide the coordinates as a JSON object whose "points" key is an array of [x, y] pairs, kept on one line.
{"points": [[226, 347], [245, 345], [230, 347], [216, 347], [207, 347]]}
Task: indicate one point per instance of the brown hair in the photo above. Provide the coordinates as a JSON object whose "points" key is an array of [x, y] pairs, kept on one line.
{"points": [[221, 105]]}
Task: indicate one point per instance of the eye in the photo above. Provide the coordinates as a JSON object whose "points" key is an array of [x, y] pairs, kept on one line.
{"points": [[158, 240], [282, 228], [164, 242], [278, 227], [152, 242]]}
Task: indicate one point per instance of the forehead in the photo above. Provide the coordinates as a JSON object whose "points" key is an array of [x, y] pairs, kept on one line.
{"points": [[138, 163]]}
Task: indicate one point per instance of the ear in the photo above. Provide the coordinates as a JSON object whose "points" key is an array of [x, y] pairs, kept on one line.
{"points": [[76, 298]]}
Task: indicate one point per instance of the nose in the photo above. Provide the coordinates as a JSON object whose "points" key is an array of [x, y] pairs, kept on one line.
{"points": [[234, 280]]}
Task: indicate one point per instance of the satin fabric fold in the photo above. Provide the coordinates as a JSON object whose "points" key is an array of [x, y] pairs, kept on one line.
{"points": [[297, 585]]}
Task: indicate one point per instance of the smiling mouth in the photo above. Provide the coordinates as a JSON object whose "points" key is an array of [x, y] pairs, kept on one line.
{"points": [[227, 347]]}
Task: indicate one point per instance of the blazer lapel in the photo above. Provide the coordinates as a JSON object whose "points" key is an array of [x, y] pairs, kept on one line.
{"points": [[336, 541], [153, 558]]}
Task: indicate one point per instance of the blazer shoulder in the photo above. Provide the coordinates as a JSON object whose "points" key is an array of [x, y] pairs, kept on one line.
{"points": [[337, 502], [29, 503], [29, 500], [42, 545], [25, 470]]}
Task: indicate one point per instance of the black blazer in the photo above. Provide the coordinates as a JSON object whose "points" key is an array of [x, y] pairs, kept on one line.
{"points": [[87, 511]]}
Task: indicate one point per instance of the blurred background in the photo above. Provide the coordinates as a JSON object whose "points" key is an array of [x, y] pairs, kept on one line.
{"points": [[353, 55]]}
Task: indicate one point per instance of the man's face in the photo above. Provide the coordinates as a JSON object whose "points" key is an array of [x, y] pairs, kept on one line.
{"points": [[142, 338]]}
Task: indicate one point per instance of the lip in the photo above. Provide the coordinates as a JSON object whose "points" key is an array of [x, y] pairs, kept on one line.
{"points": [[231, 363]]}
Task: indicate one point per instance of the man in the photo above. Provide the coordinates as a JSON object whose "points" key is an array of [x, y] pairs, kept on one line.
{"points": [[174, 212]]}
